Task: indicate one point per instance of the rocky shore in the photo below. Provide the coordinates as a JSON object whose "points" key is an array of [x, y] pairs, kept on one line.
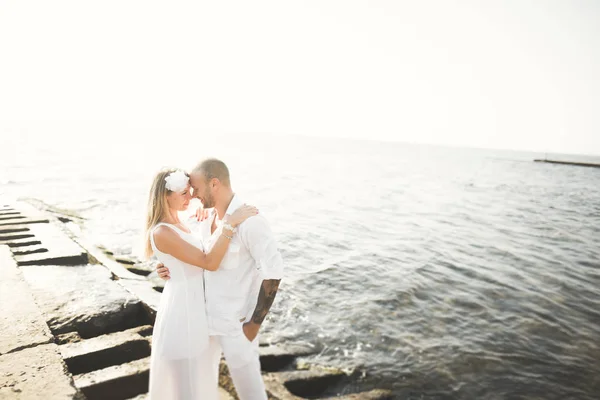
{"points": [[76, 322]]}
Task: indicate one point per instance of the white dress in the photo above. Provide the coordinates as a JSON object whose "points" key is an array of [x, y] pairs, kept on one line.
{"points": [[180, 368]]}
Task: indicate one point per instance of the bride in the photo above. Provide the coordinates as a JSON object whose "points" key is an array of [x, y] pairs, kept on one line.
{"points": [[179, 366]]}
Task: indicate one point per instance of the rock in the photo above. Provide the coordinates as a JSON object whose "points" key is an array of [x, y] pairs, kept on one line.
{"points": [[278, 357], [21, 322], [307, 384], [35, 373], [83, 299], [71, 337], [376, 394]]}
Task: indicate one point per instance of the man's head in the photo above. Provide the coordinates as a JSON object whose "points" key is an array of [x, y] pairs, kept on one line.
{"points": [[210, 181]]}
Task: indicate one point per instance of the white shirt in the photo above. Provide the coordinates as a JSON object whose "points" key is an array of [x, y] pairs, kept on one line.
{"points": [[232, 290]]}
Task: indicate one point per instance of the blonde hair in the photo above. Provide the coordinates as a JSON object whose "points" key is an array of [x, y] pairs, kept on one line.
{"points": [[157, 206]]}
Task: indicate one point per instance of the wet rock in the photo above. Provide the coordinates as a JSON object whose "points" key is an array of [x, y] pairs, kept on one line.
{"points": [[280, 357], [35, 373], [313, 383], [21, 322], [376, 394], [83, 299]]}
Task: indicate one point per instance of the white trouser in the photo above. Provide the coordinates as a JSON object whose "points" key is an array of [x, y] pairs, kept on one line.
{"points": [[243, 362]]}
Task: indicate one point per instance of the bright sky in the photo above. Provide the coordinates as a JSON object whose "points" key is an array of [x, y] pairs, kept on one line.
{"points": [[518, 74]]}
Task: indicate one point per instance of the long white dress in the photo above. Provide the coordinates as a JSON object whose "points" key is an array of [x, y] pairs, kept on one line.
{"points": [[180, 368]]}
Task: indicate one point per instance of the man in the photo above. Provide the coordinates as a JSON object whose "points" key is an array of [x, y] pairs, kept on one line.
{"points": [[240, 293]]}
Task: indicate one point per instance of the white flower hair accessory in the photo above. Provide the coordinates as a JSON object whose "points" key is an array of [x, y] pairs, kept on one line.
{"points": [[177, 181]]}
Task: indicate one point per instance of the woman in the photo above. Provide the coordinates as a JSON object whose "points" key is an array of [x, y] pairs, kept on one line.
{"points": [[179, 366]]}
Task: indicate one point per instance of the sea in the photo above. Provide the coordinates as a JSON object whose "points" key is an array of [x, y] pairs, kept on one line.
{"points": [[435, 272]]}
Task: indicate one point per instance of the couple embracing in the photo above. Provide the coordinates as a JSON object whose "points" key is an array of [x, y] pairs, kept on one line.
{"points": [[221, 281]]}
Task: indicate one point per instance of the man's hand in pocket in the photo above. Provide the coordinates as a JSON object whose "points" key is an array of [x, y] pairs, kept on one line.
{"points": [[250, 330]]}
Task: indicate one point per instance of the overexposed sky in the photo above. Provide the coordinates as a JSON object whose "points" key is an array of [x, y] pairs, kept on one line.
{"points": [[518, 74]]}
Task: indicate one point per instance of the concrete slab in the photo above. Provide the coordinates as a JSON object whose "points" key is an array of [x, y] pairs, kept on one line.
{"points": [[106, 350], [119, 270], [26, 250], [13, 228], [35, 373], [21, 242], [223, 395], [147, 295], [61, 250], [116, 382], [83, 299], [8, 238], [21, 220], [14, 216], [21, 322]]}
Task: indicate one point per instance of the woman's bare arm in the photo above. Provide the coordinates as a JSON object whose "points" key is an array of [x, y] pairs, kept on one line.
{"points": [[168, 241]]}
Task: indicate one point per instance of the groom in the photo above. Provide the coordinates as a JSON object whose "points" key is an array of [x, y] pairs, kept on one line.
{"points": [[240, 293]]}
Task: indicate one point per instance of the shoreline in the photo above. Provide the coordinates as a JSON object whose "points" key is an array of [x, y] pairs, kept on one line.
{"points": [[92, 313]]}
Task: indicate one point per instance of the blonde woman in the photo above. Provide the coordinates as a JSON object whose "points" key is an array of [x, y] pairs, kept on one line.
{"points": [[180, 367]]}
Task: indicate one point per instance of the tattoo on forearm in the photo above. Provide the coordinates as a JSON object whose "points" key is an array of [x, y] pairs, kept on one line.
{"points": [[268, 290]]}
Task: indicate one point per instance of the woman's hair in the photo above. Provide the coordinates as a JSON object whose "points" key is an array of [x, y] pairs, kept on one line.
{"points": [[157, 206]]}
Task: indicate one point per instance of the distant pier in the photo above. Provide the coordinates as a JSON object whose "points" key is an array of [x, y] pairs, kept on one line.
{"points": [[578, 164]]}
